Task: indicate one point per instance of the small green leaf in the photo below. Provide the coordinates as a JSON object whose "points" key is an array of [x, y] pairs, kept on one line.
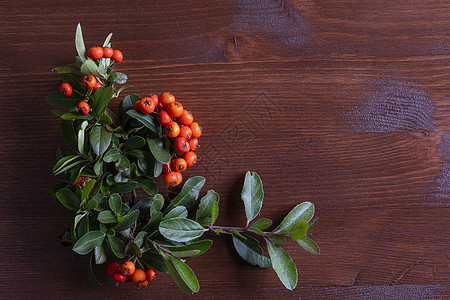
{"points": [[92, 203], [111, 155], [81, 137], [157, 204], [191, 250], [106, 42], [148, 185], [206, 205], [298, 230], [101, 99], [132, 248], [88, 242], [87, 188], [123, 187], [255, 229], [117, 246], [115, 203], [118, 78], [309, 245], [100, 139], [158, 150], [186, 274], [181, 229], [301, 212], [147, 120], [252, 195], [143, 206], [262, 223], [67, 198], [176, 212], [99, 167], [249, 249], [100, 254], [79, 44], [105, 119], [189, 193], [283, 265], [127, 104], [88, 67], [74, 116], [135, 142], [66, 69], [106, 217], [128, 222]]}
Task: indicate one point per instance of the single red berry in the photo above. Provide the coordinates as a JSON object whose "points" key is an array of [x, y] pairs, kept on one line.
{"points": [[113, 267], [107, 52], [193, 143], [65, 89], [186, 118], [185, 132], [175, 109], [136, 105], [179, 165], [83, 108], [117, 56], [89, 81], [164, 118], [95, 52], [172, 129], [150, 273], [119, 277], [147, 105], [190, 158], [127, 267], [166, 98], [171, 178], [96, 86], [181, 145], [155, 99]]}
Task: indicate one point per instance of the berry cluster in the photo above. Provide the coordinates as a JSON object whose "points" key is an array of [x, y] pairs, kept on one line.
{"points": [[90, 82], [180, 129], [127, 271]]}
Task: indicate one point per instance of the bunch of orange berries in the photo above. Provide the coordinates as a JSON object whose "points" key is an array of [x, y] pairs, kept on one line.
{"points": [[127, 271], [180, 128]]}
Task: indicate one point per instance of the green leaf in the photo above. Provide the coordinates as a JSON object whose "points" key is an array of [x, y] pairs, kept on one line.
{"points": [[111, 155], [74, 116], [92, 203], [118, 78], [100, 254], [65, 161], [123, 187], [283, 265], [67, 198], [180, 229], [206, 206], [87, 188], [249, 249], [143, 206], [132, 248], [191, 250], [99, 167], [105, 119], [312, 224], [237, 233], [123, 164], [91, 271], [301, 212], [252, 194], [100, 139], [117, 246], [148, 185], [139, 239], [128, 222], [101, 99], [66, 69], [155, 261], [186, 274], [88, 242], [77, 220], [56, 188], [81, 137], [309, 245], [134, 142], [176, 212], [79, 44], [154, 222], [57, 100], [262, 223], [277, 239], [157, 204], [106, 42], [106, 217], [176, 276], [298, 230], [69, 135], [88, 67], [115, 203], [127, 104], [147, 120], [189, 193], [158, 150]]}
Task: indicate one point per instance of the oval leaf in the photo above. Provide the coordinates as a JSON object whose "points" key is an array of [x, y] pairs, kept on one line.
{"points": [[262, 223], [88, 242], [117, 246], [123, 187], [67, 198], [252, 194], [283, 265], [127, 222], [176, 212], [302, 212], [189, 193], [181, 229], [100, 139], [206, 205], [146, 120], [250, 251], [158, 150], [309, 245], [186, 274], [191, 250]]}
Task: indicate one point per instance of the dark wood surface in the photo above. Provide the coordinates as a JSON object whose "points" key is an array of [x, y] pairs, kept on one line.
{"points": [[342, 103]]}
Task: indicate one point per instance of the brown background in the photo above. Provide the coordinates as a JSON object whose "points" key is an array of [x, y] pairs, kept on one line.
{"points": [[342, 103]]}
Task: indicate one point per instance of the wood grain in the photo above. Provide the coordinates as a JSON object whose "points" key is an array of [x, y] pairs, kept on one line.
{"points": [[342, 103]]}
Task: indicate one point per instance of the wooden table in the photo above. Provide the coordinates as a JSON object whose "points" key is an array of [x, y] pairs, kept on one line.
{"points": [[342, 103]]}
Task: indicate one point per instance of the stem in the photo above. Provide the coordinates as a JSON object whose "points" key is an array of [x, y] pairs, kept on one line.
{"points": [[241, 229], [133, 196]]}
